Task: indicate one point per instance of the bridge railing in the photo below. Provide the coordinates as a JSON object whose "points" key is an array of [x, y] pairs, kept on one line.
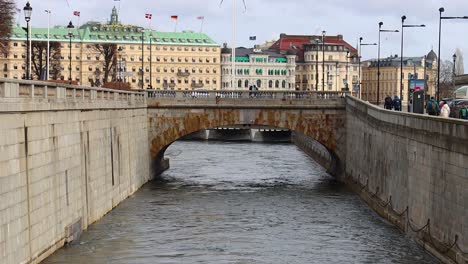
{"points": [[62, 95], [244, 94]]}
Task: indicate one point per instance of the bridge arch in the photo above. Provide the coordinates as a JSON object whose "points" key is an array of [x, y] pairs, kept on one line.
{"points": [[325, 126]]}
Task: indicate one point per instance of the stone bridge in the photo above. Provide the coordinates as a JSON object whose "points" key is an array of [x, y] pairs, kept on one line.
{"points": [[70, 154], [318, 115]]}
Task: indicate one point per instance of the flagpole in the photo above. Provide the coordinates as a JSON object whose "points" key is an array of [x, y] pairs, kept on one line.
{"points": [[201, 28], [233, 48], [175, 28]]}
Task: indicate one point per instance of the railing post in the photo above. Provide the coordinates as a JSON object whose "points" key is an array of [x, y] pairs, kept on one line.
{"points": [[32, 91], [45, 92]]}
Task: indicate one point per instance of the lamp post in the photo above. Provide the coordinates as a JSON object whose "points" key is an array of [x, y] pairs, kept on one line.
{"points": [[454, 72], [119, 78], [323, 60], [403, 26], [27, 16], [70, 35], [378, 60], [142, 57], [359, 62], [48, 45], [347, 68], [316, 63], [441, 10], [151, 60]]}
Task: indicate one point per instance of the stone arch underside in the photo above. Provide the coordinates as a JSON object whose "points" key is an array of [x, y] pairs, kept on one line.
{"points": [[167, 125]]}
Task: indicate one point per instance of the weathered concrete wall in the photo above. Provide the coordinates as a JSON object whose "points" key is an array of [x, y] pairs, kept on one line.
{"points": [[413, 169], [62, 169], [315, 150]]}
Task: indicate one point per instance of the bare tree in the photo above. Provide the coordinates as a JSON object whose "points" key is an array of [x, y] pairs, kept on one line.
{"points": [[39, 58], [446, 79], [109, 52], [7, 11]]}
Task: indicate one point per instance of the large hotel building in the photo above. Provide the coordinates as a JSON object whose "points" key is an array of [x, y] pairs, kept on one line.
{"points": [[175, 60]]}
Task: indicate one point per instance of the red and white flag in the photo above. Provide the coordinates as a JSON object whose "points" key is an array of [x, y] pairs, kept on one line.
{"points": [[149, 16], [76, 13], [174, 17], [201, 17]]}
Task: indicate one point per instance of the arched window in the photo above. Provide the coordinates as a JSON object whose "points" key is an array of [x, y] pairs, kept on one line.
{"points": [[277, 84], [246, 83], [270, 84], [259, 83], [239, 83], [284, 84]]}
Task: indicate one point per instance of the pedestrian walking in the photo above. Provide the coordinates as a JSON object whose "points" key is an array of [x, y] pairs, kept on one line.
{"points": [[445, 111], [464, 112], [388, 103], [432, 107], [396, 103]]}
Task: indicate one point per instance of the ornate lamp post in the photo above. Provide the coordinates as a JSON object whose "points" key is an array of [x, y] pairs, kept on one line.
{"points": [[359, 61], [323, 60], [27, 16], [403, 26], [317, 41], [70, 35], [378, 60], [441, 10]]}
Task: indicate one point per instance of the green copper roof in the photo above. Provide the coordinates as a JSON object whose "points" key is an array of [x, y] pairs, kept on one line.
{"points": [[101, 33]]}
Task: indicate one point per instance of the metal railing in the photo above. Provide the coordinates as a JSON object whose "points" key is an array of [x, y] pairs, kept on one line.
{"points": [[238, 94]]}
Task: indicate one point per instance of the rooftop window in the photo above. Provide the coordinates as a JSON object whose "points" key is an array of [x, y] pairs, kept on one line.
{"points": [[38, 36], [173, 39], [182, 40], [57, 36], [165, 40], [101, 37]]}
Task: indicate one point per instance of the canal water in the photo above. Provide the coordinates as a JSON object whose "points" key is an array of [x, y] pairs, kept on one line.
{"points": [[242, 203]]}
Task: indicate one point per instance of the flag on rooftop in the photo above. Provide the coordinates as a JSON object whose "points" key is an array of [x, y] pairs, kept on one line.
{"points": [[149, 16], [201, 17], [174, 17], [76, 13], [253, 38]]}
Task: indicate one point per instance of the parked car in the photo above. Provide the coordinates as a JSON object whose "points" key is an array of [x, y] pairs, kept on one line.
{"points": [[455, 106]]}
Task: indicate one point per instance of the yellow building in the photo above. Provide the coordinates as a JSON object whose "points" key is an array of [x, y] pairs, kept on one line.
{"points": [[414, 69], [168, 60], [325, 63]]}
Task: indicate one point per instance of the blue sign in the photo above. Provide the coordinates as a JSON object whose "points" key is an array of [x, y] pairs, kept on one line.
{"points": [[416, 85]]}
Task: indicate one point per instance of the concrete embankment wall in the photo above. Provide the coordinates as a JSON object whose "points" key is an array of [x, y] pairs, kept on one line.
{"points": [[314, 149], [62, 169], [413, 170]]}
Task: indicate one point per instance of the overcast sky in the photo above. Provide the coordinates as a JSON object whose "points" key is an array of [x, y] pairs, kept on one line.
{"points": [[266, 19]]}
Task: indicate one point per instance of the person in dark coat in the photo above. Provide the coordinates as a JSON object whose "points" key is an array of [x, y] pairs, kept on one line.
{"points": [[388, 103], [396, 103]]}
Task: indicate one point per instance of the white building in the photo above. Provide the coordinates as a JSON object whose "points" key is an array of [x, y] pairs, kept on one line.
{"points": [[265, 69]]}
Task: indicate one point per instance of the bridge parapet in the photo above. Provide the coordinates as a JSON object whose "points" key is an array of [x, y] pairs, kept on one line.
{"points": [[22, 95], [243, 99]]}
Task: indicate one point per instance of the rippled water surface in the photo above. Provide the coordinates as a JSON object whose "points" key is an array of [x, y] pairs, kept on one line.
{"points": [[242, 203]]}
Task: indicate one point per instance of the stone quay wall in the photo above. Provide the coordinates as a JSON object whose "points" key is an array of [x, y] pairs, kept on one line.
{"points": [[68, 155], [413, 170]]}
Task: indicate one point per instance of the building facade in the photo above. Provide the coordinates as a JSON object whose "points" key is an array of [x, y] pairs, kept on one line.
{"points": [[265, 69], [143, 58], [414, 70], [323, 63]]}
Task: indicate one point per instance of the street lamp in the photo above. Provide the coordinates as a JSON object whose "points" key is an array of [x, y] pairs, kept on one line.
{"points": [[403, 18], [70, 35], [142, 57], [323, 60], [317, 41], [119, 50], [27, 16], [48, 44], [347, 67], [359, 61], [378, 60], [151, 60], [441, 10]]}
